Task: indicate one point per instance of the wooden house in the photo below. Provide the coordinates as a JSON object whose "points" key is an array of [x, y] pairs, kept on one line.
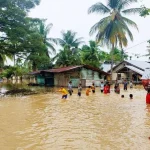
{"points": [[130, 70], [84, 74]]}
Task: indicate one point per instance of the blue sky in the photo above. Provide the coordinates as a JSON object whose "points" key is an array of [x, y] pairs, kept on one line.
{"points": [[72, 15]]}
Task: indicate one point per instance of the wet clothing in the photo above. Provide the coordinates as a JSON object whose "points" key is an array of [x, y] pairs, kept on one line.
{"points": [[106, 89], [148, 98], [102, 87], [88, 91], [79, 90], [70, 88], [79, 93], [117, 88], [64, 96], [93, 88], [125, 85], [64, 93], [131, 85]]}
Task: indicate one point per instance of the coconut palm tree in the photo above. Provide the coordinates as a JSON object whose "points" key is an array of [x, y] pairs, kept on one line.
{"points": [[66, 58], [44, 31], [113, 29], [69, 39], [91, 54]]}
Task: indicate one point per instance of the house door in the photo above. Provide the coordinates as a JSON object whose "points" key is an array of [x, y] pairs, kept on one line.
{"points": [[49, 81], [83, 82], [40, 80]]}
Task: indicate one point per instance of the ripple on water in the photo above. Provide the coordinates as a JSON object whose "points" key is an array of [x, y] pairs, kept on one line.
{"points": [[96, 122]]}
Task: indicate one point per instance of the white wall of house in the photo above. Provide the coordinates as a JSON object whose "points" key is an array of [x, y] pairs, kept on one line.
{"points": [[114, 76]]}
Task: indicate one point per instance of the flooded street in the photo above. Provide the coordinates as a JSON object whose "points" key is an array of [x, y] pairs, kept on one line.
{"points": [[97, 122]]}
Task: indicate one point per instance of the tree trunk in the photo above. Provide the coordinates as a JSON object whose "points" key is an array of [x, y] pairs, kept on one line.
{"points": [[112, 62], [34, 67], [14, 60]]}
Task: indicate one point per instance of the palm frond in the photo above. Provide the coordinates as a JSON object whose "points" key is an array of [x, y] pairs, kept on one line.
{"points": [[104, 33], [69, 39], [102, 23], [132, 11], [61, 42], [51, 46], [98, 8], [48, 27], [79, 41], [126, 29], [113, 4], [122, 41], [130, 22], [125, 3], [53, 40]]}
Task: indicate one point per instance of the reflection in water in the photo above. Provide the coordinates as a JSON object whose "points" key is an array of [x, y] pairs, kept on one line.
{"points": [[45, 122]]}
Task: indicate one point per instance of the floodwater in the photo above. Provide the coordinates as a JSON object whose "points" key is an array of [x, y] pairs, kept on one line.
{"points": [[97, 122]]}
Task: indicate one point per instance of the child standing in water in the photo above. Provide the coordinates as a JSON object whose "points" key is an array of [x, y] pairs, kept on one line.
{"points": [[70, 88], [102, 86], [131, 85], [88, 90], [106, 89], [93, 88], [64, 92], [116, 87], [125, 83], [79, 90]]}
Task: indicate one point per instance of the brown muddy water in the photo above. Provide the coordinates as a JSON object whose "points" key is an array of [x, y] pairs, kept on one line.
{"points": [[97, 122]]}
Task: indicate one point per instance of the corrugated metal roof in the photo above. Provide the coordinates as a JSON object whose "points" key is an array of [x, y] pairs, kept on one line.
{"points": [[141, 64], [146, 74], [135, 69], [65, 69]]}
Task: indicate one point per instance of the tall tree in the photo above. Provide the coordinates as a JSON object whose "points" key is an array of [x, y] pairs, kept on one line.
{"points": [[14, 24], [66, 57], [49, 42], [113, 29], [69, 39], [91, 54]]}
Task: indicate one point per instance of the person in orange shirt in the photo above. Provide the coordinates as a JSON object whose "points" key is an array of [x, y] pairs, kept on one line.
{"points": [[93, 88], [64, 92], [88, 90]]}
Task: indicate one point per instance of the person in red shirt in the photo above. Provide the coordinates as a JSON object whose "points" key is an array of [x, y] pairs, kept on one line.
{"points": [[148, 96], [106, 89]]}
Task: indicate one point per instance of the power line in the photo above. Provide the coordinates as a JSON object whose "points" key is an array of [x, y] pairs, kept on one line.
{"points": [[136, 45]]}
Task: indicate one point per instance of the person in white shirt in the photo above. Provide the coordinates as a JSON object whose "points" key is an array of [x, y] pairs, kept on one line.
{"points": [[102, 86], [70, 88], [131, 85]]}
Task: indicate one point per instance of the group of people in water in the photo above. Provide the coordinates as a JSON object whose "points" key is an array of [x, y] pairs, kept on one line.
{"points": [[104, 88]]}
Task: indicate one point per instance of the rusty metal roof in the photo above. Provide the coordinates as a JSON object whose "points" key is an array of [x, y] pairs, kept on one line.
{"points": [[65, 69], [35, 72]]}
